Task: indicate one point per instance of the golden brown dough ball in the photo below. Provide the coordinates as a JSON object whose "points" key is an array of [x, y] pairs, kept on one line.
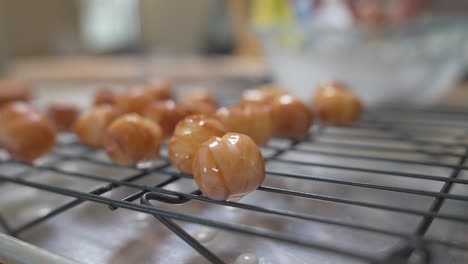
{"points": [[255, 97], [159, 89], [91, 126], [228, 167], [273, 90], [334, 104], [167, 114], [132, 139], [13, 90], [134, 100], [24, 132], [291, 117], [63, 116], [105, 96], [188, 135], [197, 96], [261, 95], [253, 120], [199, 102], [200, 109]]}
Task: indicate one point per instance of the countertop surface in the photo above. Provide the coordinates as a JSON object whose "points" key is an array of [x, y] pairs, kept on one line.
{"points": [[122, 71]]}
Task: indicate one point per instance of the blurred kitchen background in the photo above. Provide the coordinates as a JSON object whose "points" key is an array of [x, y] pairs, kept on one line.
{"points": [[206, 41]]}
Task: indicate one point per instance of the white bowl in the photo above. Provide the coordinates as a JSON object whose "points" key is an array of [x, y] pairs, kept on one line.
{"points": [[412, 64]]}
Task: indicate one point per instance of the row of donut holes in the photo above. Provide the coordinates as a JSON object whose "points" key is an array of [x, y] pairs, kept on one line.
{"points": [[218, 146]]}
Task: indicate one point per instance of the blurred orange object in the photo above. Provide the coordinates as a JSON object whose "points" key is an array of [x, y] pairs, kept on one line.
{"points": [[189, 134], [246, 43], [13, 90], [134, 100], [159, 89], [255, 121], [336, 105], [91, 126], [261, 95], [370, 13], [199, 102], [24, 132], [62, 115], [105, 96], [167, 114], [132, 139], [292, 118]]}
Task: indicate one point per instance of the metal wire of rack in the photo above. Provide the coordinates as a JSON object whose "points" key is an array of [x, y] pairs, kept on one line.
{"points": [[437, 135]]}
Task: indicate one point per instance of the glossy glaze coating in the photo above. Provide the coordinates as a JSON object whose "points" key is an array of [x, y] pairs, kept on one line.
{"points": [[334, 104], [188, 135], [228, 167], [253, 120], [131, 139], [291, 117], [167, 114], [200, 102], [200, 109], [134, 100], [90, 126], [159, 89], [261, 95], [197, 96], [62, 115], [24, 132], [105, 96]]}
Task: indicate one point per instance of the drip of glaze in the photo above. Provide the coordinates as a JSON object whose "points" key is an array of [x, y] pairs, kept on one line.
{"points": [[205, 234], [145, 164], [143, 217], [141, 220], [247, 258]]}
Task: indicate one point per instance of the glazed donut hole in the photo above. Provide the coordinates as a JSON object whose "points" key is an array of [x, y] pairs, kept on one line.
{"points": [[256, 121], [132, 139], [189, 134], [334, 104], [15, 90], [159, 89], [199, 101], [25, 133], [228, 167], [62, 115], [166, 114], [105, 96], [134, 100], [292, 118], [261, 95], [91, 126]]}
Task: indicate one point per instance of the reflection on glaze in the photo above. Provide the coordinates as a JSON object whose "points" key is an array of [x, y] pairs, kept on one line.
{"points": [[248, 258], [205, 234]]}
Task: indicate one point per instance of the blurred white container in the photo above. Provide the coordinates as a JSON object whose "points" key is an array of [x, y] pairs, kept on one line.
{"points": [[414, 62]]}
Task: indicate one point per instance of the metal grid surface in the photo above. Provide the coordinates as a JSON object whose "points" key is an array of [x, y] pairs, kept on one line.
{"points": [[409, 153]]}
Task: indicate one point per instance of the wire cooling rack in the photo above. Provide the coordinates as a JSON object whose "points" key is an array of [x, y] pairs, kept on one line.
{"points": [[435, 140]]}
